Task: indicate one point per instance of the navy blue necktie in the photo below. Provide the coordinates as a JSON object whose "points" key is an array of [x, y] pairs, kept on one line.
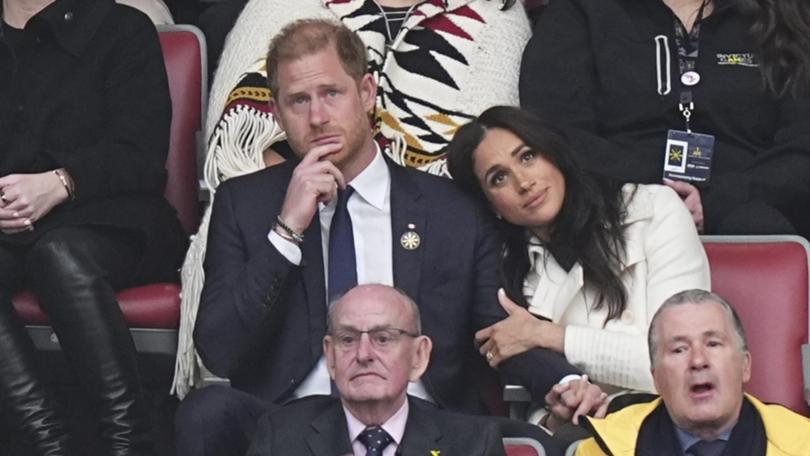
{"points": [[375, 439], [704, 448], [342, 263]]}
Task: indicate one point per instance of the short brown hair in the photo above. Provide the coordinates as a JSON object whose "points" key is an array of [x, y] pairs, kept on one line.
{"points": [[308, 36]]}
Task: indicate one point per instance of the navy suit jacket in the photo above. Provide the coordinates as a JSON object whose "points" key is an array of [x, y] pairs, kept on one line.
{"points": [[262, 319], [316, 426]]}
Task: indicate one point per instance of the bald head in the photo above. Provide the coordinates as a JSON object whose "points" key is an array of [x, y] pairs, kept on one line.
{"points": [[391, 296]]}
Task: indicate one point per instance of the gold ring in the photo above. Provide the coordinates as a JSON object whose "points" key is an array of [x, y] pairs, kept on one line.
{"points": [[489, 356]]}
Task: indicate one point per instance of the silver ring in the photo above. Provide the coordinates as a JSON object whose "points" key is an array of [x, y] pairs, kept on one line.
{"points": [[489, 356], [29, 225], [3, 198]]}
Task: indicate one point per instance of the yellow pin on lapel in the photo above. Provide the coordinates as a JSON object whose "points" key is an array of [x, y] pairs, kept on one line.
{"points": [[435, 453], [410, 239]]}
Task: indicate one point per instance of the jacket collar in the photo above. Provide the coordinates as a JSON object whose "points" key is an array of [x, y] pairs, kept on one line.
{"points": [[785, 430], [331, 433], [619, 431], [69, 23], [422, 434], [407, 217]]}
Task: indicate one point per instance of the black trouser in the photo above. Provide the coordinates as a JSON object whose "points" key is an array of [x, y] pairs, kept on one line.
{"points": [[74, 273]]}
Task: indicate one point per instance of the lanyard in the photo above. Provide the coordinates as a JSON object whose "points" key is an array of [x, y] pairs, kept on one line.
{"points": [[688, 44]]}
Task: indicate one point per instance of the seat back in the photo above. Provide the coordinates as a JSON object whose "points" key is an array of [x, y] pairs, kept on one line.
{"points": [[523, 446], [765, 278], [184, 55]]}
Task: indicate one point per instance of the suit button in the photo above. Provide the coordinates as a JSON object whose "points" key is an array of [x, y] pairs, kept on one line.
{"points": [[68, 16], [20, 108]]}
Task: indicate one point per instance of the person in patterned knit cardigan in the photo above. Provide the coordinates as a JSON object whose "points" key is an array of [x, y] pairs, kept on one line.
{"points": [[438, 64]]}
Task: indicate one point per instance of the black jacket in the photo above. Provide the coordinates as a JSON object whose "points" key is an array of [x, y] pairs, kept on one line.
{"points": [[591, 65], [86, 89], [316, 426]]}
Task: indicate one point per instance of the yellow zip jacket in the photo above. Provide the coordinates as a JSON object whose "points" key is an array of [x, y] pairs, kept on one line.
{"points": [[787, 433]]}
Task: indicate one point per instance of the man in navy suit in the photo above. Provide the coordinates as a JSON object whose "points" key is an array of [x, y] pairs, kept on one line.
{"points": [[285, 239], [374, 346]]}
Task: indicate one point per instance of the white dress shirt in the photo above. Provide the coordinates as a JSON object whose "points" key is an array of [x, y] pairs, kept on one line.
{"points": [[394, 426], [370, 210]]}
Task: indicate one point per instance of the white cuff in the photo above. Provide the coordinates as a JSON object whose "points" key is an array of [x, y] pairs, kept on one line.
{"points": [[288, 249], [567, 378]]}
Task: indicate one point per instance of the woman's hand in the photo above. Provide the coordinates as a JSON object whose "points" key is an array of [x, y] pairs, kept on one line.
{"points": [[519, 332], [570, 400], [691, 198], [26, 198]]}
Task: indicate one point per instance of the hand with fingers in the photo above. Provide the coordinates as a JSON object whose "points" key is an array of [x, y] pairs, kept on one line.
{"points": [[691, 198], [26, 198], [570, 400], [315, 180], [519, 332]]}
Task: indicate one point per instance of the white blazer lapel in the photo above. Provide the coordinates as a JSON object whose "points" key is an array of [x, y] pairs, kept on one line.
{"points": [[557, 287]]}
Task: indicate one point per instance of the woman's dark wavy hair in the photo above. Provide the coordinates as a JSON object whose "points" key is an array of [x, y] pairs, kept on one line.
{"points": [[781, 31], [588, 228]]}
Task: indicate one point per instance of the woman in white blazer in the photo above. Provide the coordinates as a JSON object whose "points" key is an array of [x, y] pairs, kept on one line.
{"points": [[586, 262]]}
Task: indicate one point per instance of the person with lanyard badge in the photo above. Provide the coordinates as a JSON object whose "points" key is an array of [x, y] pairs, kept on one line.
{"points": [[688, 155], [712, 96]]}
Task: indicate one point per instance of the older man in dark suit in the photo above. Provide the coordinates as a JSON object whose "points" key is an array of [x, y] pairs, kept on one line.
{"points": [[374, 347], [284, 240]]}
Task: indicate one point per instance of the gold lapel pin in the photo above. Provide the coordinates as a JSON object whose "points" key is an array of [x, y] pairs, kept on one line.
{"points": [[410, 239]]}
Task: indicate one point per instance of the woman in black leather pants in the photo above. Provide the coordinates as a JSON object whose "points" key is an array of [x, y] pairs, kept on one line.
{"points": [[84, 127]]}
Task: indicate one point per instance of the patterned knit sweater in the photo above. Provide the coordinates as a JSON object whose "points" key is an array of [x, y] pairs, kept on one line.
{"points": [[450, 61]]}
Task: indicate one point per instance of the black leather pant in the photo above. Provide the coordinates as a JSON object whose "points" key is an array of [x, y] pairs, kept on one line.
{"points": [[73, 272]]}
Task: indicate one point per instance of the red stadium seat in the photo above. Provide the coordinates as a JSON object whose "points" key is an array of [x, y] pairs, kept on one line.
{"points": [[523, 446], [153, 311], [765, 278]]}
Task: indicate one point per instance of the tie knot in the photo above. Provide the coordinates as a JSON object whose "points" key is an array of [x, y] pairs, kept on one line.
{"points": [[707, 448], [344, 195], [375, 439]]}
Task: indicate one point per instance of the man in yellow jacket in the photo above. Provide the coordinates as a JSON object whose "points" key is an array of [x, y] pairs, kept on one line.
{"points": [[700, 362]]}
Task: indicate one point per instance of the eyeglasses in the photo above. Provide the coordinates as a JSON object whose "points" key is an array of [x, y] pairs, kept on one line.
{"points": [[381, 338]]}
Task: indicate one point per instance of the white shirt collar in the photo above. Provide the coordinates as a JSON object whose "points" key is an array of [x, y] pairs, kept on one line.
{"points": [[372, 183], [394, 426]]}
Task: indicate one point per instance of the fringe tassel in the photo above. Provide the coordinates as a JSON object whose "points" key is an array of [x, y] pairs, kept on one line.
{"points": [[238, 143], [237, 147], [187, 365]]}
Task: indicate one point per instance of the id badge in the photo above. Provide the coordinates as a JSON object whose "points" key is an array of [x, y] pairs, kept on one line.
{"points": [[688, 156]]}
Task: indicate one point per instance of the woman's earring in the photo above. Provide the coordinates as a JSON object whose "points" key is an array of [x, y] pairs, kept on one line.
{"points": [[498, 216]]}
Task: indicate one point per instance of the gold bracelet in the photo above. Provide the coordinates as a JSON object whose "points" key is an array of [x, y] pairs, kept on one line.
{"points": [[61, 176]]}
